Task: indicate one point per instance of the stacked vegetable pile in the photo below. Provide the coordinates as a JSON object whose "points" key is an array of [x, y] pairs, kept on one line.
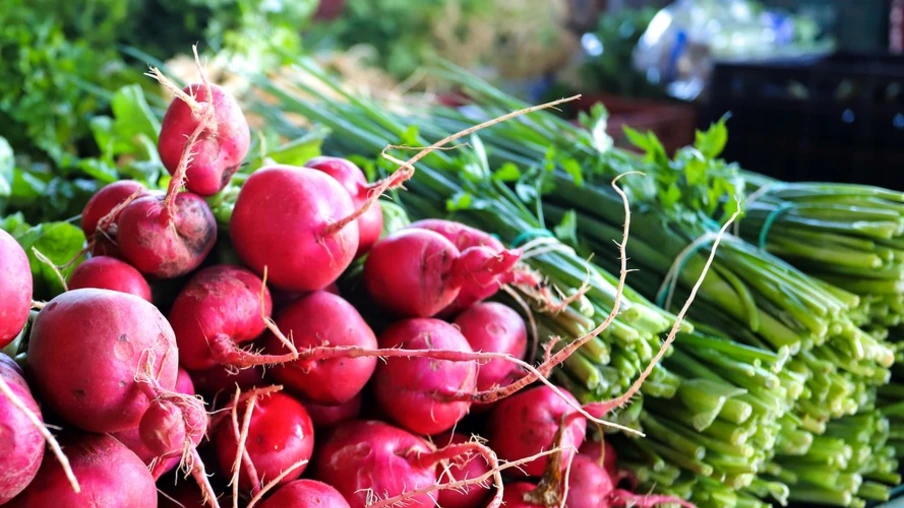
{"points": [[207, 330], [781, 392]]}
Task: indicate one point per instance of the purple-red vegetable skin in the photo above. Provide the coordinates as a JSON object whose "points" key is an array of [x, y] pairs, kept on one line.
{"points": [[15, 288], [105, 272], [23, 444], [305, 494]]}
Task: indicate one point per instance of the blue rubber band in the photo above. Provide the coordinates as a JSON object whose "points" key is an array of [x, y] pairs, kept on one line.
{"points": [[529, 234], [667, 288], [770, 220]]}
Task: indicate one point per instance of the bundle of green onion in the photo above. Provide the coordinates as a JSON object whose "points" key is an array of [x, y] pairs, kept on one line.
{"points": [[772, 397]]}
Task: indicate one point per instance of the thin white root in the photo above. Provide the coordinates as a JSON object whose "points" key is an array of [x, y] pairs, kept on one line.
{"points": [[39, 425], [208, 496], [177, 92], [56, 270], [274, 482], [531, 320], [271, 325]]}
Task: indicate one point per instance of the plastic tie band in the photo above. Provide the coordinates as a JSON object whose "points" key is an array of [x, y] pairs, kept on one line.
{"points": [[770, 220], [667, 289], [524, 236]]}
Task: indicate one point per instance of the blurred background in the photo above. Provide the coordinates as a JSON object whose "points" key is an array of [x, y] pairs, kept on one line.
{"points": [[815, 88]]}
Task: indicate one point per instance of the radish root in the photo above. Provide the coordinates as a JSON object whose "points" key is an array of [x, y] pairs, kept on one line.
{"points": [[48, 437], [208, 495], [274, 482]]}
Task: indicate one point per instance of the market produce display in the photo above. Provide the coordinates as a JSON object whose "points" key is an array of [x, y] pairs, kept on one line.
{"points": [[467, 307]]}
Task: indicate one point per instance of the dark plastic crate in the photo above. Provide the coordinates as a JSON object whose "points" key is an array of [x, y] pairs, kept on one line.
{"points": [[838, 118]]}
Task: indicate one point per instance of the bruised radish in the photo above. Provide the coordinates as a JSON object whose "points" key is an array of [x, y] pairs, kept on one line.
{"points": [[464, 237], [86, 350], [224, 378], [219, 308], [370, 223], [104, 272], [408, 389], [110, 476], [514, 495], [362, 456], [23, 444], [494, 327], [525, 424], [166, 241], [290, 220], [329, 416], [221, 146], [305, 494], [469, 496], [15, 288], [417, 273], [314, 320], [280, 435], [105, 200]]}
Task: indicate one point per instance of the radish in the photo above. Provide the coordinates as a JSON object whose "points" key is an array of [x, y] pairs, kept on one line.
{"points": [[311, 321], [101, 212], [515, 492], [211, 382], [418, 273], [15, 288], [111, 476], [464, 237], [469, 496], [276, 432], [166, 236], [526, 423], [370, 223], [23, 441], [305, 494], [608, 461], [407, 388], [329, 416], [491, 326], [297, 222], [220, 307], [104, 272], [85, 350], [132, 438], [221, 145]]}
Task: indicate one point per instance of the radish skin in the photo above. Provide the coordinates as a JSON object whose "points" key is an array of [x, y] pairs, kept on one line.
{"points": [[475, 467], [15, 288], [492, 326], [105, 272], [23, 442], [305, 494], [325, 417]]}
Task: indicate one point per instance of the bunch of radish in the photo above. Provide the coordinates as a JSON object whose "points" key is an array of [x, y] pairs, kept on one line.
{"points": [[260, 383]]}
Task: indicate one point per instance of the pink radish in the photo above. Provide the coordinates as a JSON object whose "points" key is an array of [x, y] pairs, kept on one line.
{"points": [[279, 434], [514, 495], [491, 326], [104, 201], [312, 321], [15, 288], [305, 494], [370, 223], [418, 273], [526, 423], [468, 496], [325, 417], [220, 148], [219, 308], [295, 221], [111, 476], [104, 272], [23, 446], [225, 378]]}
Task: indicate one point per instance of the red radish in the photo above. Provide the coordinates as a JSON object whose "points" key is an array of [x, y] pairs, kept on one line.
{"points": [[418, 273], [15, 288], [104, 201], [23, 444], [526, 423], [111, 476], [86, 349], [469, 496], [106, 272], [305, 494], [407, 388], [280, 434], [163, 238], [515, 492], [221, 146], [132, 439], [311, 321], [219, 308], [369, 456], [463, 237], [492, 326], [290, 220], [370, 223], [594, 450], [224, 378], [329, 416]]}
